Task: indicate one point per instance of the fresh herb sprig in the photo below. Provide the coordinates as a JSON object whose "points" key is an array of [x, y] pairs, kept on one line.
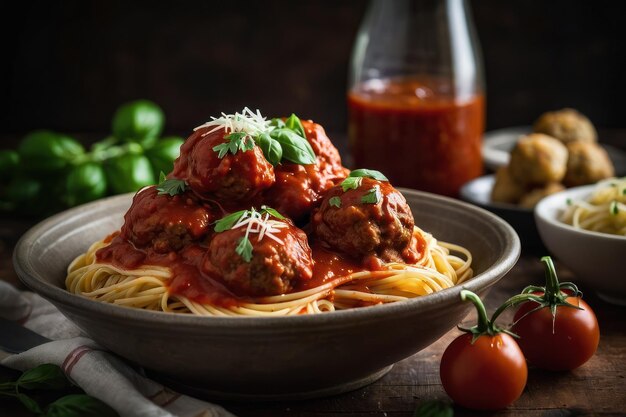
{"points": [[372, 196], [244, 246], [49, 377], [279, 140], [354, 179], [170, 186]]}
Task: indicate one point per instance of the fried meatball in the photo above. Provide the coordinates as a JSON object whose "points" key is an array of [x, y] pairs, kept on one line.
{"points": [[234, 177], [587, 163], [165, 223], [299, 188], [275, 267], [538, 159], [505, 188], [530, 199], [566, 125], [346, 223]]}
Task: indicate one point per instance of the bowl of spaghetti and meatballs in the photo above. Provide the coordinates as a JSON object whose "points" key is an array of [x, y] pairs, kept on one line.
{"points": [[260, 263]]}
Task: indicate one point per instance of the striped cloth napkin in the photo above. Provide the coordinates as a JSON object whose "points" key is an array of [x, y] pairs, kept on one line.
{"points": [[99, 373]]}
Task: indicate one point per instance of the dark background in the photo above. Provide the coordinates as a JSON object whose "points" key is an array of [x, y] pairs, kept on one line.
{"points": [[69, 64]]}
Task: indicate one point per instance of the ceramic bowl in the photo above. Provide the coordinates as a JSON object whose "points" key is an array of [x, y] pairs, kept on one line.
{"points": [[268, 357], [596, 259]]}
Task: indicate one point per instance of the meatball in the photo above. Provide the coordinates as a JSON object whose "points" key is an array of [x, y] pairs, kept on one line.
{"points": [[234, 177], [274, 268], [587, 163], [347, 223], [538, 159], [566, 125], [531, 199], [299, 188], [505, 188], [165, 223]]}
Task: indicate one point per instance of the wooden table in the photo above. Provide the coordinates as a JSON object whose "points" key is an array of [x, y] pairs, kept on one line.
{"points": [[596, 389]]}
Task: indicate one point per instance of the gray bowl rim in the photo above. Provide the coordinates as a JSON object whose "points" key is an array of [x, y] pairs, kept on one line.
{"points": [[542, 212], [509, 256], [469, 194]]}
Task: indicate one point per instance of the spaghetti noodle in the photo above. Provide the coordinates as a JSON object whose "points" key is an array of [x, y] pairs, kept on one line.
{"points": [[604, 211], [442, 266]]}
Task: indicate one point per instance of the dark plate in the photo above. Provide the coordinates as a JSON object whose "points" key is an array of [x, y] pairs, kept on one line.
{"points": [[497, 145], [478, 192]]}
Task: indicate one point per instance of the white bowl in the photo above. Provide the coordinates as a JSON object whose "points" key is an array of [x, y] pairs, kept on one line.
{"points": [[596, 259]]}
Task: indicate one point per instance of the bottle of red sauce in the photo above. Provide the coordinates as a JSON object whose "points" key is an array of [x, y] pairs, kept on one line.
{"points": [[416, 94]]}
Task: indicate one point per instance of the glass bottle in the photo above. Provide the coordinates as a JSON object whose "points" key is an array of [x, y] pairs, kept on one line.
{"points": [[416, 94]]}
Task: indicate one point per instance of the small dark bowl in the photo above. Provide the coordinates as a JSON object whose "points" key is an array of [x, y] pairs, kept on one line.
{"points": [[478, 192]]}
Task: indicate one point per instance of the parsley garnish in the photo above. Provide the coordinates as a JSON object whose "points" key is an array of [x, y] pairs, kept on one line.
{"points": [[368, 173], [244, 248], [170, 186], [614, 208], [372, 196], [236, 141], [351, 183], [227, 222], [335, 201]]}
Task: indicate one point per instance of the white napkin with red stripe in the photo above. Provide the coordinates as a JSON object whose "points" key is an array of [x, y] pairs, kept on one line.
{"points": [[98, 372]]}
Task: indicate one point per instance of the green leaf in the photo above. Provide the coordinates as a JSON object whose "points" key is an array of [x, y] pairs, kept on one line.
{"points": [[244, 249], [29, 403], [46, 376], [162, 177], [296, 149], [294, 123], [277, 123], [271, 148], [227, 222], [372, 196], [434, 408], [368, 173], [335, 201], [272, 212], [79, 405], [614, 208], [235, 142], [172, 187], [351, 183]]}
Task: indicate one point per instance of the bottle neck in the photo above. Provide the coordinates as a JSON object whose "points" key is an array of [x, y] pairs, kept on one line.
{"points": [[430, 41]]}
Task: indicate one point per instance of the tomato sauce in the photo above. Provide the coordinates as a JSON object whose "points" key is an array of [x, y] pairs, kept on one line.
{"points": [[416, 133]]}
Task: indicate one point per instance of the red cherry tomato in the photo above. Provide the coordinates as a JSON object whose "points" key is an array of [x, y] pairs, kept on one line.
{"points": [[487, 375], [572, 343]]}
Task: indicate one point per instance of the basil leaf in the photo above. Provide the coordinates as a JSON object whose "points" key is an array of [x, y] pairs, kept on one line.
{"points": [[227, 222], [296, 149], [335, 202], [368, 173], [294, 123], [272, 212], [271, 148], [434, 408], [372, 196], [172, 187], [29, 403], [277, 123], [244, 249], [351, 183], [79, 405], [46, 376]]}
